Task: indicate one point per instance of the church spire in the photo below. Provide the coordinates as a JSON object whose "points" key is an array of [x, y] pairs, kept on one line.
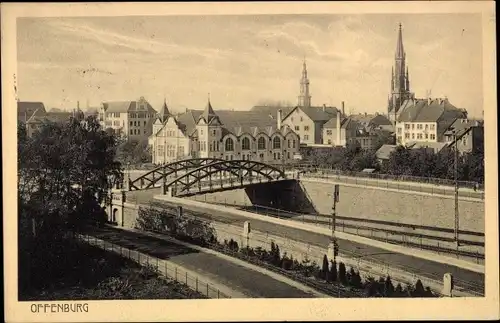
{"points": [[400, 52], [400, 85], [304, 99]]}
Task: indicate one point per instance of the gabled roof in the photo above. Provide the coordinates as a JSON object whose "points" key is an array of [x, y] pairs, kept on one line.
{"points": [[345, 123], [385, 151], [25, 110], [272, 110], [51, 117], [317, 114], [126, 106], [435, 146], [424, 110]]}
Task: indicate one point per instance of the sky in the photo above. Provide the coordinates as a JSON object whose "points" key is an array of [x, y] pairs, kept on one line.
{"points": [[247, 59]]}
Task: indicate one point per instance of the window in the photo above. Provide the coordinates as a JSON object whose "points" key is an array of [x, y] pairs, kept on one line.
{"points": [[261, 143], [161, 150], [131, 131], [288, 155], [419, 136], [289, 143], [211, 147], [329, 132], [297, 128], [413, 126], [433, 126], [201, 131], [276, 143], [229, 145], [278, 155], [412, 136], [144, 123], [301, 119], [426, 126], [231, 157], [433, 136], [293, 143], [261, 156], [407, 135], [306, 128], [227, 157], [407, 126], [245, 144], [426, 136], [306, 137], [329, 141], [131, 123], [214, 132], [464, 141]]}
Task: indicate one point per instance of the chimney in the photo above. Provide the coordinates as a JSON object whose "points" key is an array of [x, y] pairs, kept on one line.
{"points": [[343, 111], [366, 114], [337, 140], [324, 107], [429, 100], [279, 119]]}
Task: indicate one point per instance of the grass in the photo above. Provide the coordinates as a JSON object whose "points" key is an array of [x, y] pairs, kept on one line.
{"points": [[90, 273]]}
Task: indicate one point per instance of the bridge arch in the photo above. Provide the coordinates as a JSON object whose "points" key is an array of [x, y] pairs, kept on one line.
{"points": [[240, 169], [151, 178]]}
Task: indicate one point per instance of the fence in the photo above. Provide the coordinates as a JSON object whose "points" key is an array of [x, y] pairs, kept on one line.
{"points": [[164, 267], [397, 184], [300, 248]]}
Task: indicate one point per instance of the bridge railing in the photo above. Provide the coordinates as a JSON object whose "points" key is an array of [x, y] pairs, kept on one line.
{"points": [[162, 266]]}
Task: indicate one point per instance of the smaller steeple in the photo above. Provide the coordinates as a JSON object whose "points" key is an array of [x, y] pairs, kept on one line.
{"points": [[165, 113], [407, 80], [209, 113]]}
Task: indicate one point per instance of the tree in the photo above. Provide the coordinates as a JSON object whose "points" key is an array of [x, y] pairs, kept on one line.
{"points": [[64, 172], [333, 271], [324, 268], [419, 289], [342, 273], [388, 287], [65, 166], [399, 290]]}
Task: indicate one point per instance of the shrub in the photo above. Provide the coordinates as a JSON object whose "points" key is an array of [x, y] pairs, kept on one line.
{"points": [[333, 271], [342, 273], [388, 287], [324, 268]]}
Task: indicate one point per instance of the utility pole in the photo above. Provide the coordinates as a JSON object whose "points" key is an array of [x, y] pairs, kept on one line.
{"points": [[334, 239], [456, 188]]}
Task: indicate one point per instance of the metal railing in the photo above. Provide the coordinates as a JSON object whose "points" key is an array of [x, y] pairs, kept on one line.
{"points": [[423, 240], [162, 266]]}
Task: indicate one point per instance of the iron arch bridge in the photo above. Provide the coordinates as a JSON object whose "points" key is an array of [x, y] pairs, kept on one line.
{"points": [[190, 176]]}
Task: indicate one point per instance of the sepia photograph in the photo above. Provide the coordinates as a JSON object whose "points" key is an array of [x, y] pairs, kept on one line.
{"points": [[226, 157]]}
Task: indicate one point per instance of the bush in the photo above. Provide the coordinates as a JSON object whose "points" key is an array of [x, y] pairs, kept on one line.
{"points": [[342, 273], [333, 271]]}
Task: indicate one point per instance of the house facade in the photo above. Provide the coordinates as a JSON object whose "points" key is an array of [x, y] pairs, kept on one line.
{"points": [[426, 120], [130, 119], [468, 135], [229, 135]]}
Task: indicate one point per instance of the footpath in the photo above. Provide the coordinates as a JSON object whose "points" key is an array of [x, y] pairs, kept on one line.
{"points": [[231, 276]]}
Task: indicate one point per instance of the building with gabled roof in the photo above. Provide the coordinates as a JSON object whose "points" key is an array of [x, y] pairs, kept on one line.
{"points": [[26, 110], [426, 120], [131, 119], [230, 135], [468, 135]]}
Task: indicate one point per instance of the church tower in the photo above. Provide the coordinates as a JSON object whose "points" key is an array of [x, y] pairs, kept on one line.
{"points": [[400, 80], [304, 97]]}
